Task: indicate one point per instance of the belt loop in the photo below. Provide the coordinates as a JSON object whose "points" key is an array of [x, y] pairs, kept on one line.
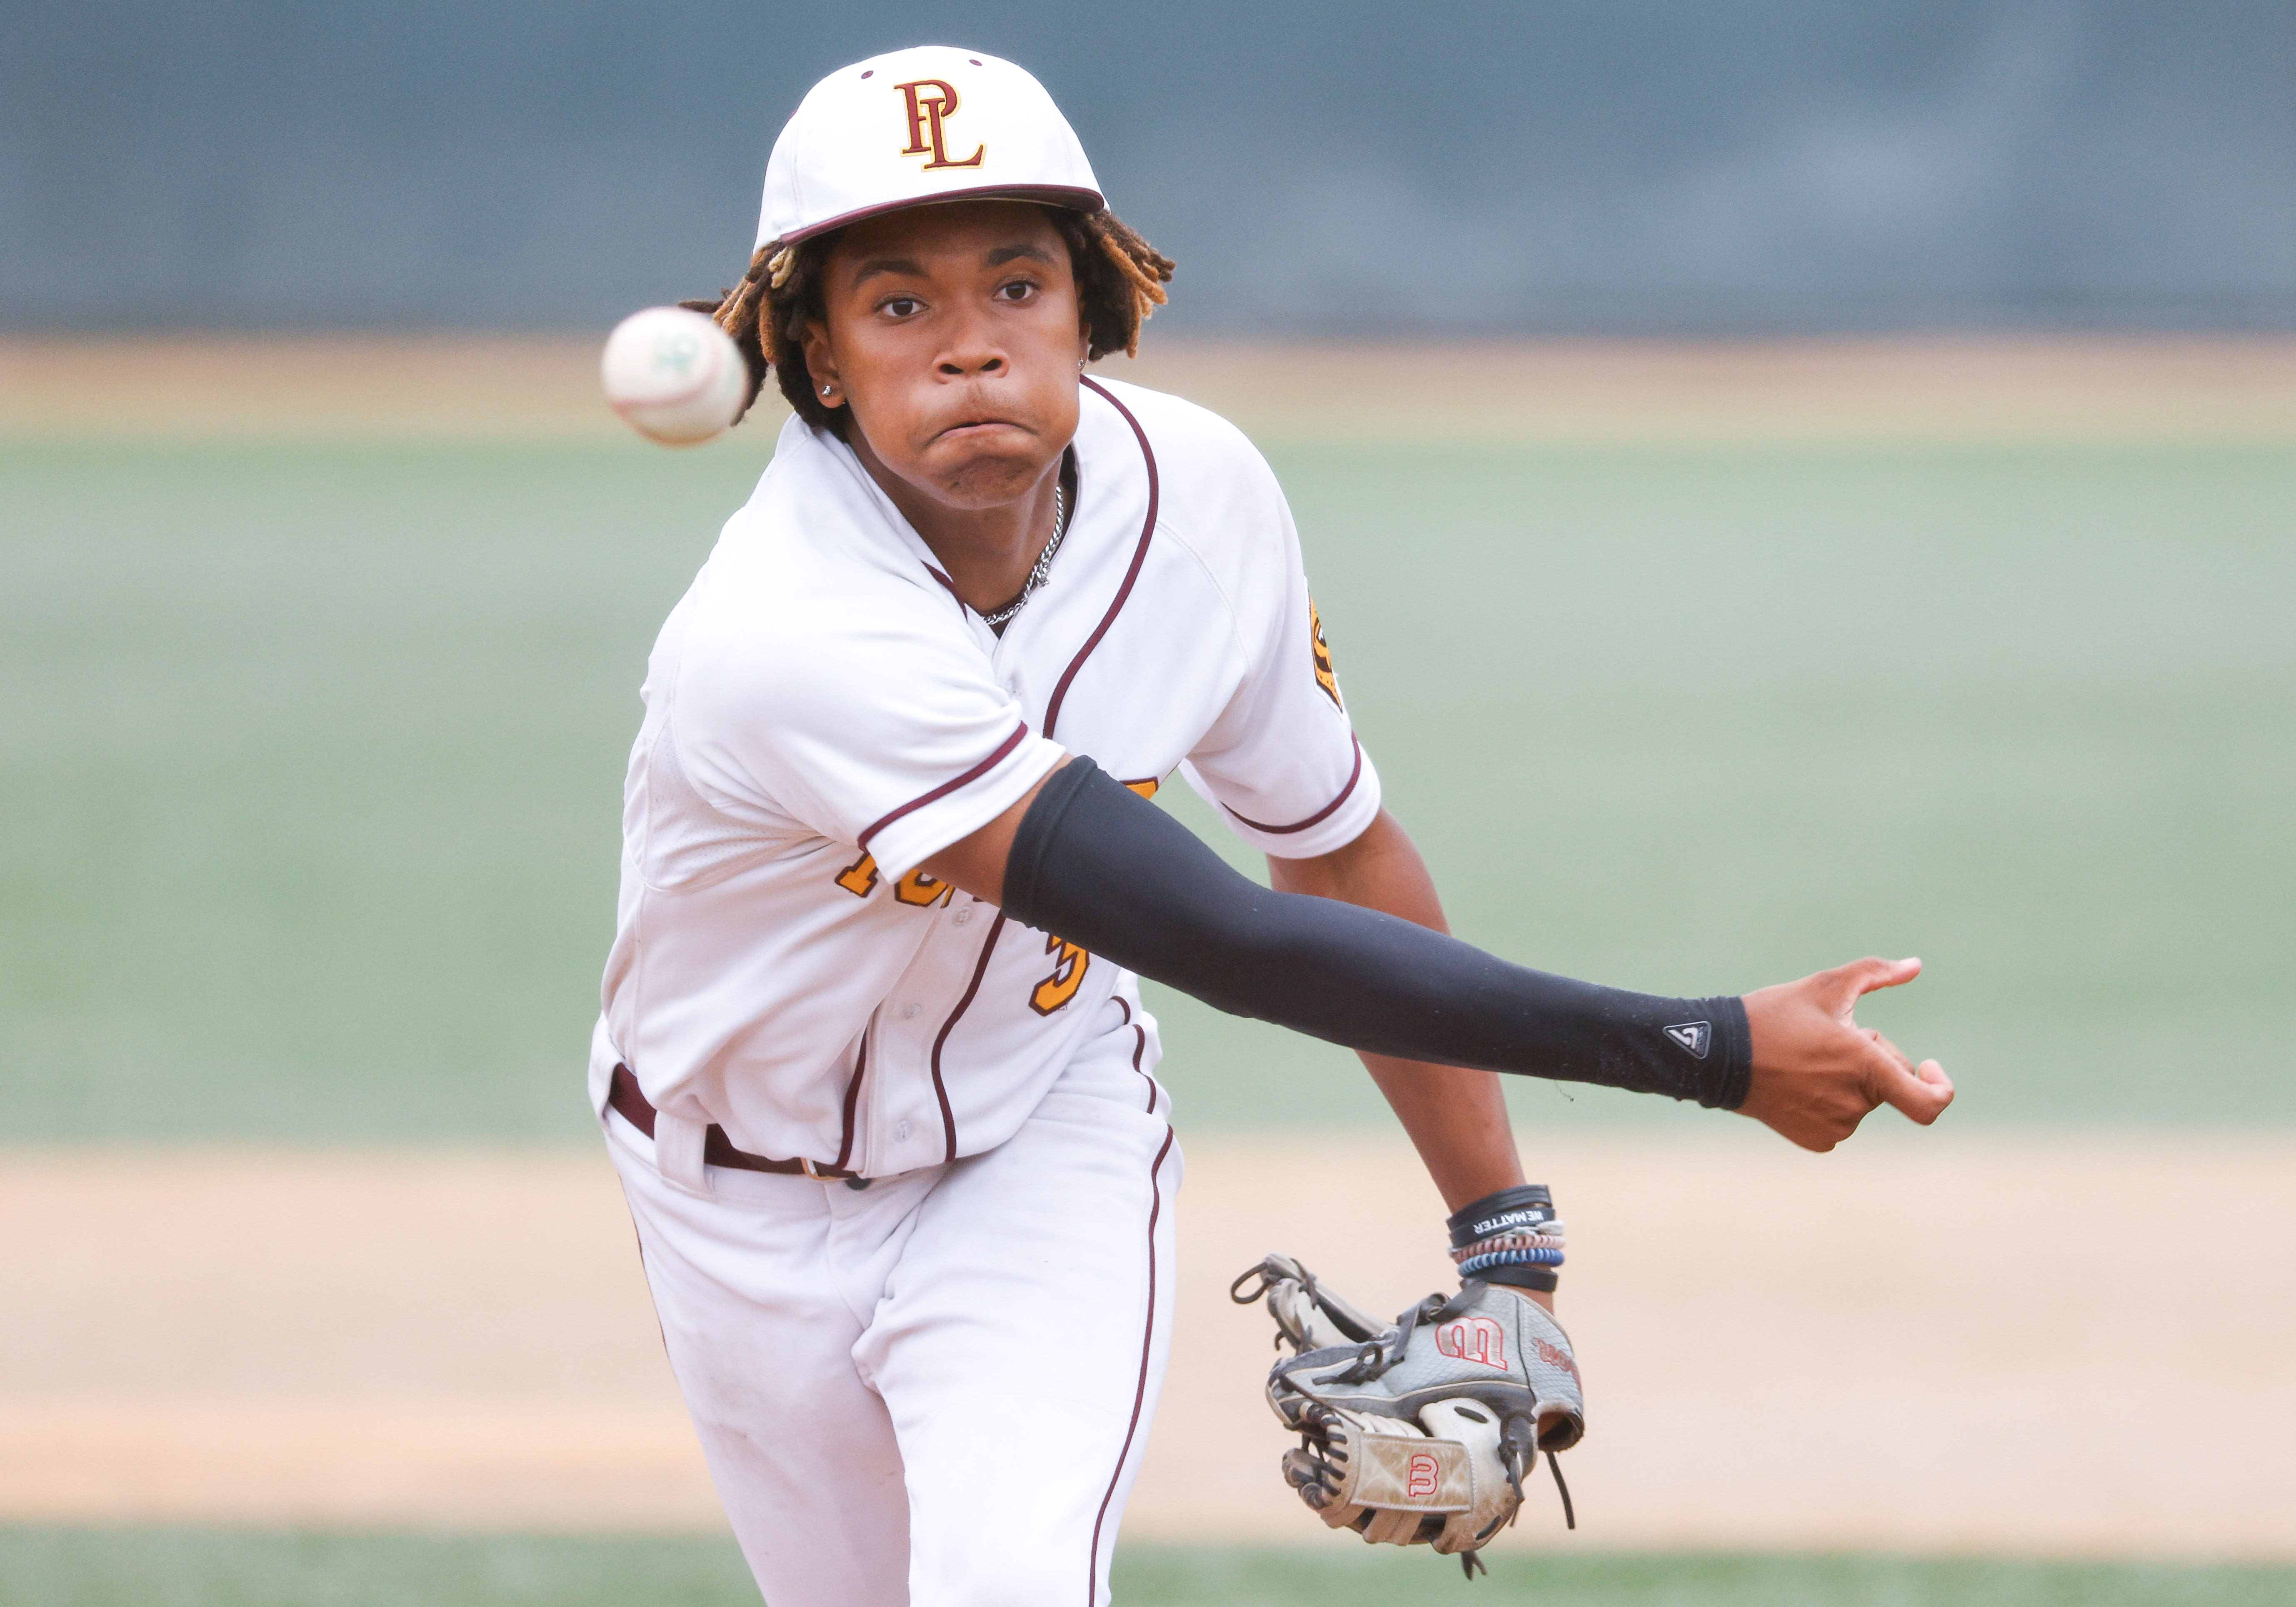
{"points": [[678, 1146]]}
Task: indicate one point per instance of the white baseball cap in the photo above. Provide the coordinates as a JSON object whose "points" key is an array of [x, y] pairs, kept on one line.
{"points": [[933, 123]]}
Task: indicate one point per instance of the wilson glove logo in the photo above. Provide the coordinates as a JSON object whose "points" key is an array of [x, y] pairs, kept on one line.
{"points": [[1420, 1479], [1474, 1339], [1555, 1356]]}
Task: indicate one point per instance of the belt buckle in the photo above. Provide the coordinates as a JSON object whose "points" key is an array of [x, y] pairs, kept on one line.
{"points": [[830, 1175]]}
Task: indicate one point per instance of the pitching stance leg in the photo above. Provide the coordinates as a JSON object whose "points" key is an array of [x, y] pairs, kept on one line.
{"points": [[934, 1392]]}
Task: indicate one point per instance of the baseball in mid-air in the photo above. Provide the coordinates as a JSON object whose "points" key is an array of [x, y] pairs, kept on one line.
{"points": [[674, 375]]}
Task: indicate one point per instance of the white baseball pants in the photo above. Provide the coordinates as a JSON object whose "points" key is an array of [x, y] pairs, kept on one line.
{"points": [[933, 1391]]}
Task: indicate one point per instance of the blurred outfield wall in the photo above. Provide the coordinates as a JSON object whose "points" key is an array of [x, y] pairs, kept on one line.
{"points": [[1318, 167]]}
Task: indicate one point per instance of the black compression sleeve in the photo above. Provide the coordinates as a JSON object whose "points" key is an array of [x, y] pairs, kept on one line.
{"points": [[1112, 873]]}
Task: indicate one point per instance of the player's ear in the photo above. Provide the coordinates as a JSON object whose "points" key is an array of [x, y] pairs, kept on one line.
{"points": [[821, 363]]}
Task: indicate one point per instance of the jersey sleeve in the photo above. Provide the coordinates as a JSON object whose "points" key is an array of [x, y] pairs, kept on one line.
{"points": [[881, 725], [1283, 764]]}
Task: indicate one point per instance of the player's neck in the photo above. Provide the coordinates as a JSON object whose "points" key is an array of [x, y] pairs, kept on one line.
{"points": [[985, 552]]}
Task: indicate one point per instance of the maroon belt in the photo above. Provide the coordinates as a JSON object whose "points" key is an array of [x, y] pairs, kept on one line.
{"points": [[626, 1096]]}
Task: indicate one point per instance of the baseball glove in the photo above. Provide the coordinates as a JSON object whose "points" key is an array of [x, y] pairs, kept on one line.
{"points": [[1420, 1431]]}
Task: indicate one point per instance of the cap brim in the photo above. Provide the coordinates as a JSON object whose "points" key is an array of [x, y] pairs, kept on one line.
{"points": [[1070, 199]]}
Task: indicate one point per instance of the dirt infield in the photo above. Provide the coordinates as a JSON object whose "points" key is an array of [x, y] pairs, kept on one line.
{"points": [[1923, 1346], [500, 388]]}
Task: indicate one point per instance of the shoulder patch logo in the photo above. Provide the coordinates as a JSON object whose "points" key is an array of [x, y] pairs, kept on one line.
{"points": [[1326, 676], [1694, 1036]]}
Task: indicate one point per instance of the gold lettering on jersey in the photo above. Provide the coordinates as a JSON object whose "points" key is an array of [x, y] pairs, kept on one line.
{"points": [[1067, 975], [931, 103], [1146, 789], [922, 891], [859, 877], [1326, 676], [917, 889]]}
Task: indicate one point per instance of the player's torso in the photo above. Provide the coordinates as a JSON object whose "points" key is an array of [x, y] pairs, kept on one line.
{"points": [[909, 1022]]}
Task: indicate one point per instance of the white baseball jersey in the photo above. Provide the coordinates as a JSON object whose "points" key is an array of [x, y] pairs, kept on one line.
{"points": [[823, 714]]}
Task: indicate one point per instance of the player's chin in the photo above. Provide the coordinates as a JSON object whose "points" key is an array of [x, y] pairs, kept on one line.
{"points": [[987, 465]]}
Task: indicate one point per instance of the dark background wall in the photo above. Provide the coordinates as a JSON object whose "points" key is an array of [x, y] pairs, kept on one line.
{"points": [[1340, 165]]}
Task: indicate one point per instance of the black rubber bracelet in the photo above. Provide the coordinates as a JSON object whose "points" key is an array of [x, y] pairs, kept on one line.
{"points": [[1520, 1277], [1525, 1205]]}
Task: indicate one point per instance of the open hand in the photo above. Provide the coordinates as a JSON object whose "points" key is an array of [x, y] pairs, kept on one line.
{"points": [[1817, 1072]]}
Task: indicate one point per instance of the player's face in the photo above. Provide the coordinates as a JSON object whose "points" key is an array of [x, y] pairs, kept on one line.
{"points": [[952, 333]]}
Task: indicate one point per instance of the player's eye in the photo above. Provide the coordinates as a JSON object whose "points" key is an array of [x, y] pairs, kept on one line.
{"points": [[901, 306], [1016, 290]]}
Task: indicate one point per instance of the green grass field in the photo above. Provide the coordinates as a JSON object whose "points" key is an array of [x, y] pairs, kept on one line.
{"points": [[312, 761], [104, 1567]]}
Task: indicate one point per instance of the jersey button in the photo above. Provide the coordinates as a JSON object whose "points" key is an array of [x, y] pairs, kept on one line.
{"points": [[901, 1133], [964, 914], [908, 1011]]}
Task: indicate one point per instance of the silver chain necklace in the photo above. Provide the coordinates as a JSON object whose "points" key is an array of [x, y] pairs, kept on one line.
{"points": [[1043, 559]]}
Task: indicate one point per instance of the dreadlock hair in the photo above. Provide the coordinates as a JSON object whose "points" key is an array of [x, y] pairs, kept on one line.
{"points": [[1119, 280]]}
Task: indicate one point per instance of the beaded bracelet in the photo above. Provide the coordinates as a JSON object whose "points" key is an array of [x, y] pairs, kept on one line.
{"points": [[1481, 1247], [1473, 1264]]}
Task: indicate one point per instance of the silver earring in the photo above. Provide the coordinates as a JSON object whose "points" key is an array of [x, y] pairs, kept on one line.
{"points": [[826, 389]]}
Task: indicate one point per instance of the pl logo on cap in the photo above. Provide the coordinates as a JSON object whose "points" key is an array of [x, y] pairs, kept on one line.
{"points": [[926, 113]]}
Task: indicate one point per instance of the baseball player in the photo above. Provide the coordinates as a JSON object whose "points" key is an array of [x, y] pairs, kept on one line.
{"points": [[873, 1064]]}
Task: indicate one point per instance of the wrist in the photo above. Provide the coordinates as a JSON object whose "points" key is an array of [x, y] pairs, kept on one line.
{"points": [[1543, 1298], [1511, 1238], [1732, 1078]]}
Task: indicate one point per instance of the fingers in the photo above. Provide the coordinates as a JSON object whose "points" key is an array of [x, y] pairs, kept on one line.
{"points": [[1871, 973], [1919, 1092], [1899, 1057]]}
